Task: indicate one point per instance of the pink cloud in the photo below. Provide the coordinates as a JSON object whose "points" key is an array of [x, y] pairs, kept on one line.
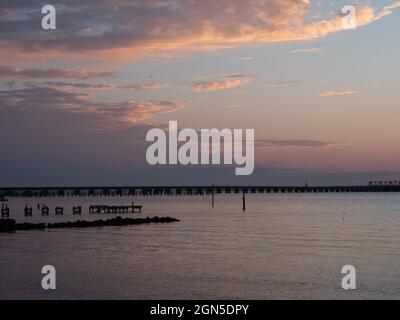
{"points": [[7, 72], [227, 82], [123, 30], [120, 113], [334, 93]]}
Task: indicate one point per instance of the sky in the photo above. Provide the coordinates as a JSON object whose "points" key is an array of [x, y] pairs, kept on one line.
{"points": [[76, 102]]}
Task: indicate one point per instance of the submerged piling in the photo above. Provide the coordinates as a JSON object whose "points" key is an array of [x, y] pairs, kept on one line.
{"points": [[77, 210], [28, 211], [59, 211], [45, 210], [5, 211], [213, 195]]}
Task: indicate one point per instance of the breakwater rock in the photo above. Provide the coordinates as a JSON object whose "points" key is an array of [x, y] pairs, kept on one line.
{"points": [[7, 225]]}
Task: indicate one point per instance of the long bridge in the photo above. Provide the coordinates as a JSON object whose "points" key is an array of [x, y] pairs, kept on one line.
{"points": [[188, 190]]}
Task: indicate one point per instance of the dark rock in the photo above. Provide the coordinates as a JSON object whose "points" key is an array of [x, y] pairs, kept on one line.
{"points": [[30, 226], [7, 225], [11, 225]]}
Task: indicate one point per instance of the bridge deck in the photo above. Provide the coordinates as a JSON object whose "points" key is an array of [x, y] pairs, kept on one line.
{"points": [[185, 191]]}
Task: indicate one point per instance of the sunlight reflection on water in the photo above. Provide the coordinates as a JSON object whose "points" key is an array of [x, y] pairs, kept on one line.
{"points": [[283, 247]]}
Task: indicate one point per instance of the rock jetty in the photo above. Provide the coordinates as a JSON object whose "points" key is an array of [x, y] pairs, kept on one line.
{"points": [[9, 225]]}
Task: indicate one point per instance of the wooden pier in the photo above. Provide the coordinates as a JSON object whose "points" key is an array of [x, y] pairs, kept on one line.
{"points": [[76, 210], [114, 209], [187, 190]]}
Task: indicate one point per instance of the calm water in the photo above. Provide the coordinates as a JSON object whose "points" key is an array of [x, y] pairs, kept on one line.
{"points": [[283, 247]]}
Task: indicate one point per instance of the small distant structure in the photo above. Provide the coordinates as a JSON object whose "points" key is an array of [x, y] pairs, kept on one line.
{"points": [[385, 183], [45, 210], [115, 209], [213, 196], [77, 210], [28, 211], [5, 211], [59, 211]]}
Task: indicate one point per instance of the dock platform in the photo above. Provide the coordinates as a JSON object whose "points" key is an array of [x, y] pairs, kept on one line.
{"points": [[115, 209]]}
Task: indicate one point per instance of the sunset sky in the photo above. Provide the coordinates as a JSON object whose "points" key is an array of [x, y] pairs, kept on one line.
{"points": [[76, 102]]}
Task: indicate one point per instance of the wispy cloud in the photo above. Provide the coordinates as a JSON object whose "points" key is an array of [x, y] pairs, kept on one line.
{"points": [[110, 113], [334, 93], [388, 9], [145, 86], [282, 84], [309, 50], [9, 72], [227, 82], [303, 143], [100, 86], [104, 86]]}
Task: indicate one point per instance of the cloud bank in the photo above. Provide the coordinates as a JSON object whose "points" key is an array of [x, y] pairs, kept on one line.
{"points": [[100, 114], [134, 28]]}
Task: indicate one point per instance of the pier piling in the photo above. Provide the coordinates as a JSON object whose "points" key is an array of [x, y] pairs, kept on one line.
{"points": [[213, 195], [77, 210], [5, 211], [28, 211], [45, 210], [59, 211]]}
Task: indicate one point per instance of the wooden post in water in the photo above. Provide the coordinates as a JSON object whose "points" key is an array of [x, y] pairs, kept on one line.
{"points": [[244, 201], [212, 199]]}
